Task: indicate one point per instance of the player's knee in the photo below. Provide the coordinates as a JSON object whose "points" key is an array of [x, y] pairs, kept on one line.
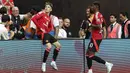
{"points": [[87, 55], [90, 54], [58, 45], [48, 46]]}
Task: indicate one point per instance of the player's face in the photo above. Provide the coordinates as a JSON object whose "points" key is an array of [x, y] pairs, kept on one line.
{"points": [[88, 12], [112, 19], [48, 8], [66, 22], [93, 9], [122, 18]]}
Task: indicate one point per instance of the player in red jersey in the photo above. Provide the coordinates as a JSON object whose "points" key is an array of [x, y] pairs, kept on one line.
{"points": [[96, 39], [44, 26]]}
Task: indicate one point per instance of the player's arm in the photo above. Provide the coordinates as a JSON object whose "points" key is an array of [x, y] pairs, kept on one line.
{"points": [[56, 22], [27, 16], [129, 30], [11, 4], [99, 22], [85, 25], [36, 18], [56, 31], [104, 32], [99, 26], [104, 29], [5, 2]]}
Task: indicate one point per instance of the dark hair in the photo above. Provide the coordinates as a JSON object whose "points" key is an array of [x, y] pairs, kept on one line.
{"points": [[5, 18], [3, 10], [124, 14], [48, 3], [92, 9], [97, 4], [89, 6], [113, 15], [35, 9]]}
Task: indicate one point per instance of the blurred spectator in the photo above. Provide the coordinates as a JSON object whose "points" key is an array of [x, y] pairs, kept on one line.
{"points": [[3, 11], [30, 32], [17, 23], [85, 30], [9, 4], [82, 34], [66, 25], [55, 22], [114, 30], [125, 25], [62, 33], [3, 29]]}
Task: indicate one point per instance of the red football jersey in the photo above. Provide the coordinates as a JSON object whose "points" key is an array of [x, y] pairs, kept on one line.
{"points": [[97, 20], [42, 20], [5, 2]]}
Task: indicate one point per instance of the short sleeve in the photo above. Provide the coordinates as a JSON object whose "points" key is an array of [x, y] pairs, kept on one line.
{"points": [[55, 21], [32, 25], [99, 19]]}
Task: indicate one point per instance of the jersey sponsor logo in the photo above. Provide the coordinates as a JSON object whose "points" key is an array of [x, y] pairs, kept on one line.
{"points": [[98, 20]]}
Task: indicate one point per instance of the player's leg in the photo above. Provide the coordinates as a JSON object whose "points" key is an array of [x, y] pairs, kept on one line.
{"points": [[46, 42], [89, 61], [89, 54], [96, 44], [46, 53], [98, 59], [55, 52]]}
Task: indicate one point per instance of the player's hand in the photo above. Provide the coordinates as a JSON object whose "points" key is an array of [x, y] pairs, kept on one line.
{"points": [[100, 26], [89, 23]]}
